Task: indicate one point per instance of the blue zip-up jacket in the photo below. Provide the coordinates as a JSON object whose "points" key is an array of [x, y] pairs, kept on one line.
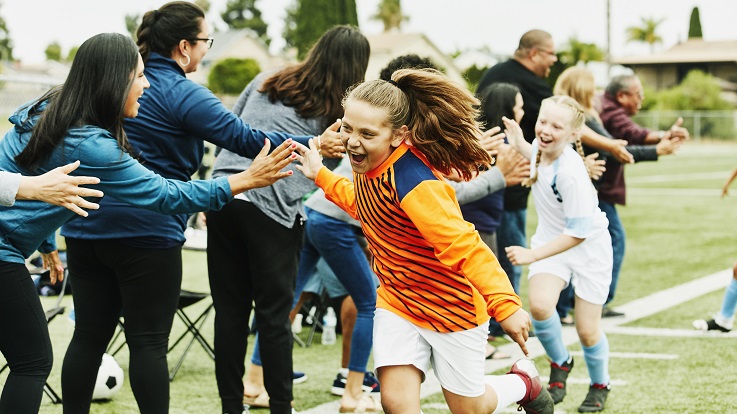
{"points": [[30, 225], [176, 116]]}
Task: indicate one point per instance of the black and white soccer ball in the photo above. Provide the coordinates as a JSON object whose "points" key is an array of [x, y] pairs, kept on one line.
{"points": [[109, 379]]}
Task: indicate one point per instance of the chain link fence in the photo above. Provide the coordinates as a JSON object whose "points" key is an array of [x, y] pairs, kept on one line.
{"points": [[719, 125]]}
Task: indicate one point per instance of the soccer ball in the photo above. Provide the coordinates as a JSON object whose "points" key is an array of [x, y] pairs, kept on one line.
{"points": [[109, 379]]}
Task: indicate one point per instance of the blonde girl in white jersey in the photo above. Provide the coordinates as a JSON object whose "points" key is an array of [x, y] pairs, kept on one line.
{"points": [[571, 245]]}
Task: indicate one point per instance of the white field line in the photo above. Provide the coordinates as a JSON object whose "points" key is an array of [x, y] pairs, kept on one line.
{"points": [[673, 333], [636, 309], [675, 192], [669, 178], [633, 355]]}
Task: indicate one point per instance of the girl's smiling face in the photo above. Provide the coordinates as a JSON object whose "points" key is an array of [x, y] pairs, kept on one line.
{"points": [[554, 129], [368, 138]]}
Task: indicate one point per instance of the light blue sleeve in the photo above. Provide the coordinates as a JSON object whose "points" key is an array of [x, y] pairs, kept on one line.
{"points": [[9, 184], [125, 179]]}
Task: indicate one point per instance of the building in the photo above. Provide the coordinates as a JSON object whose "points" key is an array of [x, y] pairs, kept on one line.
{"points": [[668, 68], [241, 44], [389, 45]]}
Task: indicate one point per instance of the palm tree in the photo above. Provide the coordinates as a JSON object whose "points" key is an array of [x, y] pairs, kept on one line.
{"points": [[646, 33], [390, 13], [579, 51]]}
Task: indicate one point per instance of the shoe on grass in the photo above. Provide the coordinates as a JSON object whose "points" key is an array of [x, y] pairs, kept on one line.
{"points": [[298, 377], [607, 312], [537, 400], [370, 384], [558, 378], [595, 399], [716, 324]]}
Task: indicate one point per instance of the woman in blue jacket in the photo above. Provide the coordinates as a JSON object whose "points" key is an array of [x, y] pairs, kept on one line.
{"points": [[130, 257], [83, 120]]}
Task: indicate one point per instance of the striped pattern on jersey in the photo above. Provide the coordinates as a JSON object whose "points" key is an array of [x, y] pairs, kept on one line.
{"points": [[415, 283]]}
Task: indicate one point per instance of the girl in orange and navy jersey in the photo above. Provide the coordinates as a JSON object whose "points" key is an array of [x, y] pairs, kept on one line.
{"points": [[439, 281]]}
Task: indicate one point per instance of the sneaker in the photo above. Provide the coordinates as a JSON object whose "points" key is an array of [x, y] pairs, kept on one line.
{"points": [[537, 400], [595, 399], [710, 325], [298, 377], [558, 377], [370, 384], [610, 313]]}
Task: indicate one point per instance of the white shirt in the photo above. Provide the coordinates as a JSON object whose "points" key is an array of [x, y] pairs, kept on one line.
{"points": [[9, 184], [565, 199]]}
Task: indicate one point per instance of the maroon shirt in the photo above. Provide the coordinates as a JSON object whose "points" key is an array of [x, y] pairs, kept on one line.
{"points": [[620, 126]]}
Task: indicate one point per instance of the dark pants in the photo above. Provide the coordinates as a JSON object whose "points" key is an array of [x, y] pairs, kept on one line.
{"points": [[252, 259], [24, 341], [144, 284]]}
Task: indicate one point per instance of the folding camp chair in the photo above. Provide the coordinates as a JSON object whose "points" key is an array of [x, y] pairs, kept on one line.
{"points": [[50, 315], [187, 298], [193, 328]]}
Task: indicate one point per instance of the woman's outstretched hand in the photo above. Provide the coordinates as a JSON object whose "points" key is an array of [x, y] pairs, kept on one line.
{"points": [[310, 159], [59, 188], [329, 143], [266, 168]]}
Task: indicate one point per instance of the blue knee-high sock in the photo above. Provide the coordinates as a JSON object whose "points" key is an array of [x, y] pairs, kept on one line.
{"points": [[730, 300], [597, 360], [550, 334]]}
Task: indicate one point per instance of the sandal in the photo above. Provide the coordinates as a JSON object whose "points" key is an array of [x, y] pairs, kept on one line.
{"points": [[259, 401], [493, 352], [367, 404]]}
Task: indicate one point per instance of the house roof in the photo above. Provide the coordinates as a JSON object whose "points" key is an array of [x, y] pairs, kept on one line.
{"points": [[690, 51]]}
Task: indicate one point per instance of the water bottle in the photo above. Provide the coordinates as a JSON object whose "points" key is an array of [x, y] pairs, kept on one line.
{"points": [[328, 327], [297, 324]]}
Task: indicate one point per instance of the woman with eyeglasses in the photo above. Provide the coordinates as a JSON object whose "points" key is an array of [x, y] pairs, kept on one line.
{"points": [[131, 257]]}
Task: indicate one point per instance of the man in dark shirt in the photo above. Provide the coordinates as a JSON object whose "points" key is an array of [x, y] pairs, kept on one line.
{"points": [[527, 69], [622, 100]]}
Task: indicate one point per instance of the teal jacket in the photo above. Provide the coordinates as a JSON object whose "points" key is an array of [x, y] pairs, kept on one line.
{"points": [[30, 225]]}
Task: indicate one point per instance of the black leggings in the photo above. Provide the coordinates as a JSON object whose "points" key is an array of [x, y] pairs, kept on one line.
{"points": [[109, 277], [24, 341]]}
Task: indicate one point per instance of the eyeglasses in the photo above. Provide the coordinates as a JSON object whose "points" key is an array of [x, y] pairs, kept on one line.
{"points": [[639, 94], [209, 41]]}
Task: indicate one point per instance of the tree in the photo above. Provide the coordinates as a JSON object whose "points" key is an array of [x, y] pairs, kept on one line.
{"points": [[6, 45], [53, 51], [694, 26], [229, 76], [646, 33], [243, 14], [578, 51], [72, 53], [132, 21], [312, 18], [390, 14]]}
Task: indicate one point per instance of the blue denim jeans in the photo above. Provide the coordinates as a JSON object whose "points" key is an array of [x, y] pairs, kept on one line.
{"points": [[616, 231], [511, 232], [335, 241]]}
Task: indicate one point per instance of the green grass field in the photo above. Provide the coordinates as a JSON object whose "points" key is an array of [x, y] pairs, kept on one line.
{"points": [[678, 230]]}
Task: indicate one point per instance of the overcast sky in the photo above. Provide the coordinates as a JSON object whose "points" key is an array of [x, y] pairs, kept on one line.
{"points": [[451, 24]]}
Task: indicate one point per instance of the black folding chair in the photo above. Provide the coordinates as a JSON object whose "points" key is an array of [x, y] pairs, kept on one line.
{"points": [[50, 315], [193, 328], [187, 298]]}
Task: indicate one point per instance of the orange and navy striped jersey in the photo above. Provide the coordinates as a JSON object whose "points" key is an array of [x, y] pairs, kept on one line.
{"points": [[433, 267]]}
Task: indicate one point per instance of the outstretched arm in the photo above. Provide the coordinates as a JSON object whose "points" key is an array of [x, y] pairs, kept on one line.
{"points": [[516, 138], [519, 255]]}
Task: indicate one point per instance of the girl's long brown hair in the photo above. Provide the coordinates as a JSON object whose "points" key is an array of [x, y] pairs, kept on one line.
{"points": [[440, 115]]}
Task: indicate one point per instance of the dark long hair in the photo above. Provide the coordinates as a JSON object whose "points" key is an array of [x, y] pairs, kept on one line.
{"points": [[315, 87], [162, 29], [497, 101], [94, 93]]}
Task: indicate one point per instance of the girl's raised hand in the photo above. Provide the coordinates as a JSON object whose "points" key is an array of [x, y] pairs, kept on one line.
{"points": [[310, 159], [513, 131]]}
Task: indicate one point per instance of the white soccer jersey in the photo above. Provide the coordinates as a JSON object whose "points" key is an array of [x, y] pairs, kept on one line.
{"points": [[565, 199]]}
